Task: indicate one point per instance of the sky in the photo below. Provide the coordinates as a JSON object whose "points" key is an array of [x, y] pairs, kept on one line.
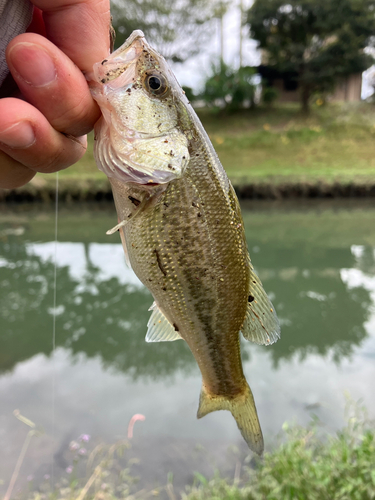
{"points": [[193, 72]]}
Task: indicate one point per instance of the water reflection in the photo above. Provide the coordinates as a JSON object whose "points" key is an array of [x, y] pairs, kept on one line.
{"points": [[102, 308], [324, 298], [318, 266], [319, 309]]}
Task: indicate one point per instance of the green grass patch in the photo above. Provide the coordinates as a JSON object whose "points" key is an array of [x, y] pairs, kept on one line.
{"points": [[280, 145], [305, 467]]}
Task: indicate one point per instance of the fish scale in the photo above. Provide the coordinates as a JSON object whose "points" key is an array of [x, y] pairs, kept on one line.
{"points": [[181, 226]]}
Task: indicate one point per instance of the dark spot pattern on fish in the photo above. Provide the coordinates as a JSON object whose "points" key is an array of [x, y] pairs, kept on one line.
{"points": [[158, 260], [134, 201]]}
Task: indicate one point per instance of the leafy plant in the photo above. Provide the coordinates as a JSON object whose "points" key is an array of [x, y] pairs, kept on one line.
{"points": [[189, 92], [269, 95], [177, 29], [306, 466], [229, 89], [319, 40]]}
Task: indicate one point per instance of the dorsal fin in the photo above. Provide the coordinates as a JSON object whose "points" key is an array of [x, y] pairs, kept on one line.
{"points": [[261, 324], [159, 328]]}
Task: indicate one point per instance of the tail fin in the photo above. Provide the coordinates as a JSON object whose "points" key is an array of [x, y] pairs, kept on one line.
{"points": [[243, 410]]}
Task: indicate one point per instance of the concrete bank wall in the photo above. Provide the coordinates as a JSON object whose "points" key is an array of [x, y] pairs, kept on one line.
{"points": [[73, 191]]}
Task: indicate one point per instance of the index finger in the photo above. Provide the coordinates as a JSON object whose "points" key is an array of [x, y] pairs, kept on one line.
{"points": [[80, 28]]}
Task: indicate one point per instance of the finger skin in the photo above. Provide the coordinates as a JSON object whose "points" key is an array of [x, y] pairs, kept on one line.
{"points": [[49, 150], [80, 28], [12, 173], [50, 81]]}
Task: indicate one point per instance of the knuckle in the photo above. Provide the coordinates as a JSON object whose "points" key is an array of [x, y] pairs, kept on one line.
{"points": [[67, 152], [76, 118]]}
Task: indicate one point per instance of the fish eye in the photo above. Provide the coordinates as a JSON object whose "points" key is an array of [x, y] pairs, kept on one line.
{"points": [[155, 83]]}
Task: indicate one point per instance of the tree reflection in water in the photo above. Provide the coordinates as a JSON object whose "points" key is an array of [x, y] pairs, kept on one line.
{"points": [[101, 315]]}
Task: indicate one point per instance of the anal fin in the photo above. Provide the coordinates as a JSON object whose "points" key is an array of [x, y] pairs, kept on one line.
{"points": [[159, 328]]}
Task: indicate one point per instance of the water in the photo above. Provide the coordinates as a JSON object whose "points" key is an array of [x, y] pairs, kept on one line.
{"points": [[316, 261]]}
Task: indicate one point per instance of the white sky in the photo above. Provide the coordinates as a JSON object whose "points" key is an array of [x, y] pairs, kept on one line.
{"points": [[193, 72]]}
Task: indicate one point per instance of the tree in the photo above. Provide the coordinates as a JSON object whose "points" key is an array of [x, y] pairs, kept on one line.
{"points": [[178, 29], [320, 40], [229, 89]]}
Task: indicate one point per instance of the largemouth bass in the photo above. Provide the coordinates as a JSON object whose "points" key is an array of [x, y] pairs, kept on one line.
{"points": [[181, 226]]}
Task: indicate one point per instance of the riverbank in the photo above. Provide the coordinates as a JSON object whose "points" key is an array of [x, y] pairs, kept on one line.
{"points": [[268, 154], [72, 190]]}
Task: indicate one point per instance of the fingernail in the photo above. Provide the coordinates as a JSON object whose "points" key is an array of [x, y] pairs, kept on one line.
{"points": [[32, 64], [18, 136]]}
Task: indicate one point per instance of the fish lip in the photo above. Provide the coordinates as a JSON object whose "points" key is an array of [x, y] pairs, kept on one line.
{"points": [[111, 68], [135, 35], [129, 41]]}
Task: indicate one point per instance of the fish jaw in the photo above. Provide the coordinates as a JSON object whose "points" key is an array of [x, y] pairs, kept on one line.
{"points": [[137, 138]]}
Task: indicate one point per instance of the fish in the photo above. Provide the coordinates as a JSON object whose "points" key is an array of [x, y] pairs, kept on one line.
{"points": [[180, 225]]}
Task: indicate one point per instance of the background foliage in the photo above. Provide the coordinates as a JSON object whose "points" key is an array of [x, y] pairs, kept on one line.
{"points": [[228, 88], [320, 40], [178, 29]]}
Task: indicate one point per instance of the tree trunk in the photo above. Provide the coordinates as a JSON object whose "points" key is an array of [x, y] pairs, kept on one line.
{"points": [[305, 99]]}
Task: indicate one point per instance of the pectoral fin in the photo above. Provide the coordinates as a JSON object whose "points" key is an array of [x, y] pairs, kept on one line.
{"points": [[159, 328], [261, 324]]}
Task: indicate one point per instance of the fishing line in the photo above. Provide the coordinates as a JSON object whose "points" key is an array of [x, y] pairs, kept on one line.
{"points": [[54, 321]]}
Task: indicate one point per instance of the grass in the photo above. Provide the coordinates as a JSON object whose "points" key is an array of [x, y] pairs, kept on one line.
{"points": [[334, 144], [280, 145], [307, 465]]}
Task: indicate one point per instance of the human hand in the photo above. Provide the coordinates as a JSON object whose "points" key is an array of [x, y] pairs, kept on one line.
{"points": [[45, 130]]}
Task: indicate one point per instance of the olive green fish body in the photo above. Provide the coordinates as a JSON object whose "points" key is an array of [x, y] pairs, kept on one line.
{"points": [[190, 252], [181, 226]]}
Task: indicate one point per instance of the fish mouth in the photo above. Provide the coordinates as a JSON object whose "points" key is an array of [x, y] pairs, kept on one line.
{"points": [[131, 38], [111, 71]]}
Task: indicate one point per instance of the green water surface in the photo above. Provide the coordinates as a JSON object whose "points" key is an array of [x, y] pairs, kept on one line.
{"points": [[316, 261]]}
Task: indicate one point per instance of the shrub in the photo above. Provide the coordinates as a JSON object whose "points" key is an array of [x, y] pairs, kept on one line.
{"points": [[305, 467], [269, 95], [229, 89]]}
